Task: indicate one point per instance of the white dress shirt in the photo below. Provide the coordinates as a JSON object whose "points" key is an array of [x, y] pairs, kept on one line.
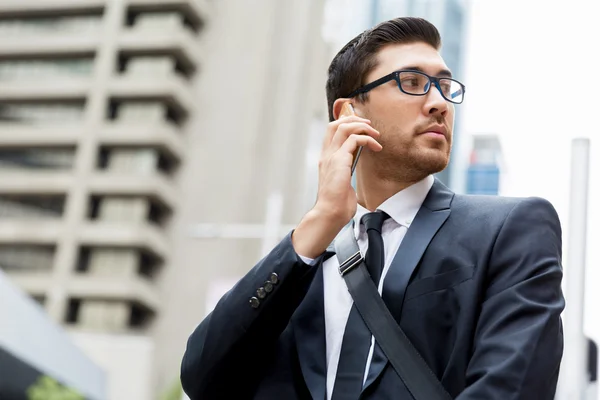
{"points": [[402, 208]]}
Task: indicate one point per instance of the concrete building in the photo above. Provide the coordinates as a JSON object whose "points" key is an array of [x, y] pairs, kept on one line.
{"points": [[95, 102], [150, 152], [251, 176]]}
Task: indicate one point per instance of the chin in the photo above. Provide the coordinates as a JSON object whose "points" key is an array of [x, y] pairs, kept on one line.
{"points": [[412, 165], [432, 161]]}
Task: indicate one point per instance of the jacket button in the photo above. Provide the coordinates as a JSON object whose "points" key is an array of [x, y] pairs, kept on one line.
{"points": [[268, 286], [274, 278], [261, 293], [254, 302]]}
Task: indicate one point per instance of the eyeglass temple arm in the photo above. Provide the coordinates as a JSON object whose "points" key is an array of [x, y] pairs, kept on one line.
{"points": [[373, 84]]}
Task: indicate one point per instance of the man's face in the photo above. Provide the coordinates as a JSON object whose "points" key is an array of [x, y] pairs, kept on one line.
{"points": [[408, 124]]}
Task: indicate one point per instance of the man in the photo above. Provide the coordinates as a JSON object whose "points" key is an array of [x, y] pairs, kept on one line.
{"points": [[475, 282]]}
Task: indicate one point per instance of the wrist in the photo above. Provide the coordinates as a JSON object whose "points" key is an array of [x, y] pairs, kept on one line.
{"points": [[315, 232]]}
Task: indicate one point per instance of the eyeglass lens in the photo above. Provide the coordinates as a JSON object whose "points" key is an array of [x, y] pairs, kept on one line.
{"points": [[419, 84]]}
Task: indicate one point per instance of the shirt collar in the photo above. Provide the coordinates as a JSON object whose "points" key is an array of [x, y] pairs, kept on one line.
{"points": [[401, 207]]}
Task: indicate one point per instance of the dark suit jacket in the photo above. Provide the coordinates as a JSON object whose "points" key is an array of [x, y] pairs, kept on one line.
{"points": [[475, 284]]}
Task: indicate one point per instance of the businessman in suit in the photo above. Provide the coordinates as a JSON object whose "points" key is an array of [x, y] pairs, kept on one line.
{"points": [[475, 282]]}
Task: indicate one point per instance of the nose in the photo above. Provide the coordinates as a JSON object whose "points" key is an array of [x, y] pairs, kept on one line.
{"points": [[435, 103]]}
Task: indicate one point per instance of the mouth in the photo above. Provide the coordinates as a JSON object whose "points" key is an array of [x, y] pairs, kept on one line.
{"points": [[435, 131]]}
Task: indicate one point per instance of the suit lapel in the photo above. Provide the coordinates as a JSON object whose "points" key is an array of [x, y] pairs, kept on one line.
{"points": [[431, 216], [308, 323]]}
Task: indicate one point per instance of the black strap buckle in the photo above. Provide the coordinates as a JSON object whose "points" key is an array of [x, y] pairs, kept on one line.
{"points": [[350, 263]]}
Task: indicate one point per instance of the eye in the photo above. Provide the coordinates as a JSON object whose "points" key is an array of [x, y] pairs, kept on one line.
{"points": [[446, 86], [413, 82]]}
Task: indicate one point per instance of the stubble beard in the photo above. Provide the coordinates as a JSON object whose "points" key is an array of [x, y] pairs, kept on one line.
{"points": [[404, 157]]}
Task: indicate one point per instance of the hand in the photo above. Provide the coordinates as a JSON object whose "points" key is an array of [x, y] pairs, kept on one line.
{"points": [[336, 199]]}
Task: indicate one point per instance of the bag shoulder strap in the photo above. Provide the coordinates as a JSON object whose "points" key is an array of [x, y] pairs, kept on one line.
{"points": [[406, 360]]}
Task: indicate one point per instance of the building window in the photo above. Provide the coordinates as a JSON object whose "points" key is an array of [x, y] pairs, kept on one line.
{"points": [[158, 21], [117, 262], [128, 209], [80, 24], [26, 258], [31, 207], [152, 66], [144, 112], [41, 113], [11, 70], [72, 314], [107, 315], [483, 179], [136, 160], [37, 158], [140, 316]]}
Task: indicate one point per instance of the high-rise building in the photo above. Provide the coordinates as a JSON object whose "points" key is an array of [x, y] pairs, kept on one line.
{"points": [[95, 102], [449, 16], [485, 164]]}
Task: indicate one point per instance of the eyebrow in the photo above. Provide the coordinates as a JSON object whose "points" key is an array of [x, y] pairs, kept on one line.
{"points": [[443, 72]]}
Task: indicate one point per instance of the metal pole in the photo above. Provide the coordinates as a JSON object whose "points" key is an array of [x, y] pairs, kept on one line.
{"points": [[573, 372]]}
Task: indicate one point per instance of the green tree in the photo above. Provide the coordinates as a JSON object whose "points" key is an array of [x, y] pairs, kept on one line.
{"points": [[175, 392], [46, 388]]}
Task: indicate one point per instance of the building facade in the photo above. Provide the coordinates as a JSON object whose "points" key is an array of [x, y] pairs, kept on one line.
{"points": [[95, 102], [247, 180], [485, 165], [150, 152]]}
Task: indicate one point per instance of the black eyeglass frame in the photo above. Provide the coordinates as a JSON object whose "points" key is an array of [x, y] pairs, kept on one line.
{"points": [[396, 76]]}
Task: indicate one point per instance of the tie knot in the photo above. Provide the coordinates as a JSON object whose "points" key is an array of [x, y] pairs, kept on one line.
{"points": [[374, 220]]}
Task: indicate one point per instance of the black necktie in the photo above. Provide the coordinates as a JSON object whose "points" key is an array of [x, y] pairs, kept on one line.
{"points": [[357, 337]]}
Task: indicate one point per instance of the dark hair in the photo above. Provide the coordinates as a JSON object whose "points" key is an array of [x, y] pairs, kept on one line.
{"points": [[356, 59]]}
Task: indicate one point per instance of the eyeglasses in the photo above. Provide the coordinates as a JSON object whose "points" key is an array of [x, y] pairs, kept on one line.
{"points": [[416, 83]]}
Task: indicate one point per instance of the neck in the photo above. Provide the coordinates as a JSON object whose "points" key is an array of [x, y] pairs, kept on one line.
{"points": [[372, 192]]}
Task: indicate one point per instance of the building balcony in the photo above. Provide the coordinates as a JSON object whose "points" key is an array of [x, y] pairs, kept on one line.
{"points": [[143, 236], [132, 289], [17, 135], [65, 89], [31, 232], [155, 187], [162, 136], [18, 8], [196, 11], [177, 43], [35, 182], [55, 44], [174, 91]]}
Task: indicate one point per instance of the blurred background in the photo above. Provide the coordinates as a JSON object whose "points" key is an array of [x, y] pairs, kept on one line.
{"points": [[143, 140]]}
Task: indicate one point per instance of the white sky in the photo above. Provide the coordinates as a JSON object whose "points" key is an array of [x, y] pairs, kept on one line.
{"points": [[531, 78]]}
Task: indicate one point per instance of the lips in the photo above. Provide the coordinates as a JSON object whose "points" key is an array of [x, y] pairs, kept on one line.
{"points": [[435, 130]]}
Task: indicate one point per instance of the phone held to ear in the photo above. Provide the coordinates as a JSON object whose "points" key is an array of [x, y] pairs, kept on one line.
{"points": [[348, 110]]}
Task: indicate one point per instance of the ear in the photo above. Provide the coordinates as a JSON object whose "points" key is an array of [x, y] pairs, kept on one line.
{"points": [[337, 106]]}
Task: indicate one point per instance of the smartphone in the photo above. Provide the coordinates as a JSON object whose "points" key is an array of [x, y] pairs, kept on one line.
{"points": [[348, 110]]}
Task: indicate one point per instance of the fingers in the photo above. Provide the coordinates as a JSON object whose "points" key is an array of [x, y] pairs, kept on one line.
{"points": [[355, 141], [351, 128], [332, 128]]}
